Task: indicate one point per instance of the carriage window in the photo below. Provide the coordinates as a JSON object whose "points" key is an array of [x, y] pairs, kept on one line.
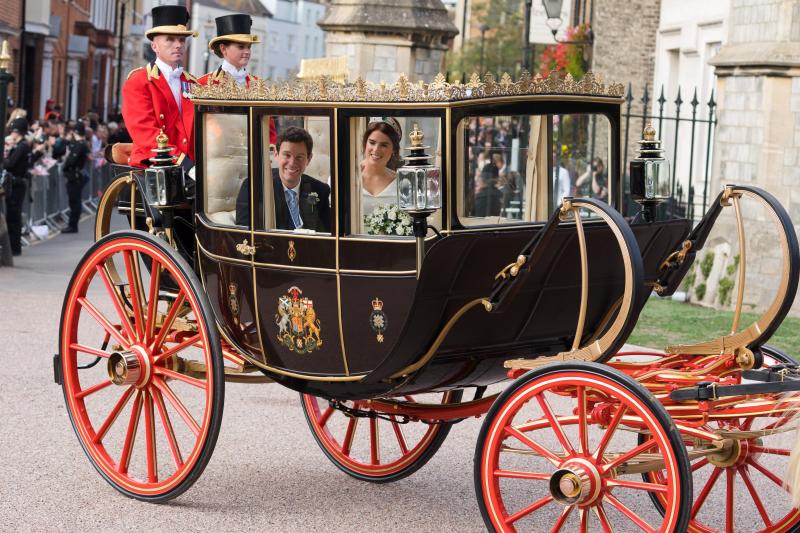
{"points": [[517, 168], [225, 165], [378, 147], [298, 177]]}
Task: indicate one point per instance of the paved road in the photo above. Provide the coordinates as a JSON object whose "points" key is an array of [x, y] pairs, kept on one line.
{"points": [[267, 473]]}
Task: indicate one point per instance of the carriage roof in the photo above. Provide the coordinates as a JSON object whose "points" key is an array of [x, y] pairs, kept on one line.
{"points": [[438, 93]]}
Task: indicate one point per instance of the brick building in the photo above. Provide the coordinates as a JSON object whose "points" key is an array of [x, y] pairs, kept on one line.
{"points": [[11, 22]]}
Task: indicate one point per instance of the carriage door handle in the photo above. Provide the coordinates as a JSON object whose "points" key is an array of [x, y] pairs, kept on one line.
{"points": [[245, 249]]}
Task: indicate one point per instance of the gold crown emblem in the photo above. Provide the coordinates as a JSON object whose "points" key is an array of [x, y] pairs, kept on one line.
{"points": [[416, 136], [377, 304]]}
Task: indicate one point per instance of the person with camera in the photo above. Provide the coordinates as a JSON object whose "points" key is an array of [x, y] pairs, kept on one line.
{"points": [[15, 165], [595, 180], [74, 173]]}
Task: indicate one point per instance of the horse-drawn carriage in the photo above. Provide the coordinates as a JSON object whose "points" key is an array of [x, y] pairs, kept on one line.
{"points": [[391, 339]]}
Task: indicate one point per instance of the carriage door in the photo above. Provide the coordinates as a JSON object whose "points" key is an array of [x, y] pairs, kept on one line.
{"points": [[223, 168], [295, 252]]}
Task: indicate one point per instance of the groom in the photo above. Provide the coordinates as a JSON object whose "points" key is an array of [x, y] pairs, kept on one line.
{"points": [[300, 200]]}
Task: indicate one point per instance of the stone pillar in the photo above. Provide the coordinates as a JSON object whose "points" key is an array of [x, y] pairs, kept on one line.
{"points": [[758, 135], [386, 39]]}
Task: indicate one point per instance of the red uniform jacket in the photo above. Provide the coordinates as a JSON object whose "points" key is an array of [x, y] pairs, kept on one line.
{"points": [[148, 106], [217, 76]]}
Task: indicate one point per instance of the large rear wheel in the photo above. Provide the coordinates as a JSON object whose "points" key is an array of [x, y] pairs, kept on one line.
{"points": [[141, 366], [558, 452], [376, 447]]}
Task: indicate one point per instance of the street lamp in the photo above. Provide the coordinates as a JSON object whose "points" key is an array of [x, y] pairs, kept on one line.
{"points": [[553, 10], [483, 28]]}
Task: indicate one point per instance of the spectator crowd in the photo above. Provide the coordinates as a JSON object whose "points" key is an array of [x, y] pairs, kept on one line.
{"points": [[72, 150]]}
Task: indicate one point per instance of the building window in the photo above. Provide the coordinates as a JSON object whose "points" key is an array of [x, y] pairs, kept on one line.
{"points": [[290, 44]]}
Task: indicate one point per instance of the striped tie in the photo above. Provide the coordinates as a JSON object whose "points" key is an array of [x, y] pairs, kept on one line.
{"points": [[294, 212]]}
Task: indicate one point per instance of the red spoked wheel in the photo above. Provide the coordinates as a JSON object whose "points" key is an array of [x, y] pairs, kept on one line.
{"points": [[742, 487], [558, 451], [142, 371], [379, 448]]}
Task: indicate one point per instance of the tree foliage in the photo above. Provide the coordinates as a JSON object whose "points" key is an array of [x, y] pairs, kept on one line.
{"points": [[502, 44]]}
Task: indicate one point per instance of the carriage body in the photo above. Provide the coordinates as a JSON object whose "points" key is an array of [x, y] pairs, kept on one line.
{"points": [[351, 278], [542, 285]]}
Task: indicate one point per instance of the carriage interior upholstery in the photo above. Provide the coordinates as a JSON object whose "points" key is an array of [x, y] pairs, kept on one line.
{"points": [[226, 164]]}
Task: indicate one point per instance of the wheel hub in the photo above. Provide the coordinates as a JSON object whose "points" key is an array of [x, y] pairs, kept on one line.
{"points": [[733, 453], [577, 481], [130, 367]]}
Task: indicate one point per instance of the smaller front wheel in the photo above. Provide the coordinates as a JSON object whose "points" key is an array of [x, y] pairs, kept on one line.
{"points": [[558, 451]]}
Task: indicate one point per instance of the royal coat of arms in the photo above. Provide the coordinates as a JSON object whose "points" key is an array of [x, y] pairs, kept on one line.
{"points": [[298, 326]]}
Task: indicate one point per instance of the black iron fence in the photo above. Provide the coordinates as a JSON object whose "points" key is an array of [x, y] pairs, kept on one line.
{"points": [[687, 134]]}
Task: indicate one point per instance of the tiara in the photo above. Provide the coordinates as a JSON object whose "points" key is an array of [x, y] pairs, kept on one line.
{"points": [[390, 121]]}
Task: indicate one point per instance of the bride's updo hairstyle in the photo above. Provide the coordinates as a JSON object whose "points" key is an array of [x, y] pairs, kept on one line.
{"points": [[391, 128]]}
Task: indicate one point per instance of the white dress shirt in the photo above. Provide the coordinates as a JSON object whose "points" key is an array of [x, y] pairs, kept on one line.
{"points": [[240, 75], [173, 77]]}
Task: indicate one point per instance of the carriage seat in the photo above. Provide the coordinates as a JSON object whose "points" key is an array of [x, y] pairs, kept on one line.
{"points": [[223, 179]]}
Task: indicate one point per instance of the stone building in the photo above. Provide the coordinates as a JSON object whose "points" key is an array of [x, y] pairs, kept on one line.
{"points": [[383, 40]]}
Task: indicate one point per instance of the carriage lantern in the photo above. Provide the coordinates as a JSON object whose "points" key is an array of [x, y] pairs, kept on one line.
{"points": [[418, 188], [164, 179], [649, 174]]}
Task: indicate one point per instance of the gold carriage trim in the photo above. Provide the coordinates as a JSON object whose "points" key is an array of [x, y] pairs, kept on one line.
{"points": [[324, 89]]}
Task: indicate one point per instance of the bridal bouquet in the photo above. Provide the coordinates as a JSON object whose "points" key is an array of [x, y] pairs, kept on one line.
{"points": [[388, 219]]}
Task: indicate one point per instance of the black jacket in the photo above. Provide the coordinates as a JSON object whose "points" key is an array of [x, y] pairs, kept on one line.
{"points": [[488, 202], [76, 160], [314, 209], [18, 160]]}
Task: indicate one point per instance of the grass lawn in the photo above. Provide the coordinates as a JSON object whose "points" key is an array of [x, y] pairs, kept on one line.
{"points": [[665, 321]]}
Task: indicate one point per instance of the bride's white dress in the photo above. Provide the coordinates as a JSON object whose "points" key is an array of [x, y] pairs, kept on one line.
{"points": [[386, 197]]}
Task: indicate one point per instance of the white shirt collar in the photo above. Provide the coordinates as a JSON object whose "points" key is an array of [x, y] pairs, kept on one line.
{"points": [[295, 189], [239, 75], [166, 69]]}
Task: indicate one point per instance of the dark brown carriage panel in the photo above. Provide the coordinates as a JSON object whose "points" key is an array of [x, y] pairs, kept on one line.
{"points": [[374, 309], [379, 254], [299, 320], [230, 287], [542, 317]]}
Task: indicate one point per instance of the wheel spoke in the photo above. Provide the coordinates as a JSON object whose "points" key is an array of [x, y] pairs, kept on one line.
{"points": [[645, 446], [562, 519], [699, 464], [130, 436], [150, 435], [177, 404], [761, 468], [729, 473], [191, 341], [583, 428], [115, 299], [152, 302], [637, 485], [174, 448], [584, 520], [529, 509], [348, 436], [516, 474], [701, 498], [555, 424], [398, 433], [194, 382], [166, 327], [538, 448], [104, 323], [636, 519], [323, 419], [112, 416], [134, 283], [374, 442], [773, 451], [610, 430], [754, 495], [94, 388], [600, 511], [91, 351]]}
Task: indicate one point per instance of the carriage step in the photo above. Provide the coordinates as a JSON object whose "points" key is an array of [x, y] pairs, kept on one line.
{"points": [[57, 372], [707, 390]]}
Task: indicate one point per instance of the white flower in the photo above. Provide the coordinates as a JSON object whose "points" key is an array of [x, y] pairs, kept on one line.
{"points": [[399, 230], [392, 215]]}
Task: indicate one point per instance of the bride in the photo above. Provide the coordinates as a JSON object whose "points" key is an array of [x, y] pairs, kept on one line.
{"points": [[381, 147]]}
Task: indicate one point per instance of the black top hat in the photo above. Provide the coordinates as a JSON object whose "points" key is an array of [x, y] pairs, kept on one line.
{"points": [[169, 20], [20, 125], [233, 28]]}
